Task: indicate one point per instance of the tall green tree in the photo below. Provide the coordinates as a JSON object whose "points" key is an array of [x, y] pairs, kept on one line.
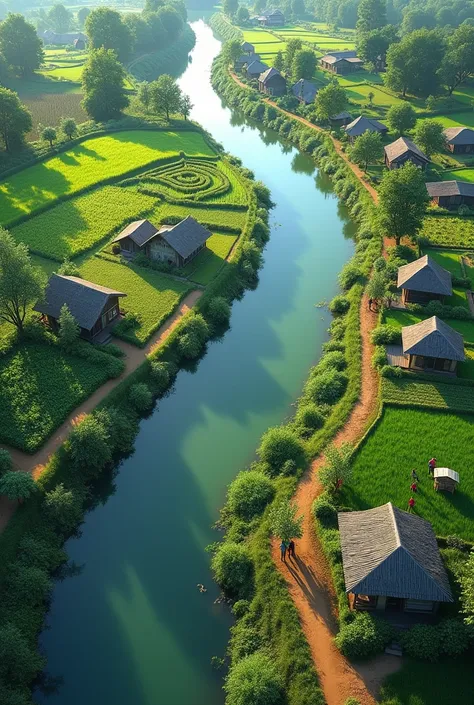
{"points": [[371, 14], [20, 45], [330, 100], [68, 127], [292, 47], [103, 85], [413, 63], [165, 96], [231, 7], [21, 283], [458, 62], [49, 134], [232, 51], [185, 106], [401, 117], [367, 149], [418, 19], [82, 15], [17, 486], [402, 202], [106, 29], [60, 18], [284, 523], [304, 64], [68, 328], [15, 119], [242, 15], [279, 61], [429, 135], [372, 46], [171, 21], [338, 466], [298, 8], [153, 5]]}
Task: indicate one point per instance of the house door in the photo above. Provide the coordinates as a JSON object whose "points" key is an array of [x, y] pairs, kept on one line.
{"points": [[103, 320], [394, 604]]}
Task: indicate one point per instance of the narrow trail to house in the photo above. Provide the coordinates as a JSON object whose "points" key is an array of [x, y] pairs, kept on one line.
{"points": [[133, 358]]}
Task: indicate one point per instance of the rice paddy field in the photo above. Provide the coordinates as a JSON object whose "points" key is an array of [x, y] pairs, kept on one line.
{"points": [[90, 163], [407, 438], [152, 296], [449, 231], [409, 391]]}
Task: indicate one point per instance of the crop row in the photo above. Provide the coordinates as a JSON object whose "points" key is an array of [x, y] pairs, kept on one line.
{"points": [[437, 395]]}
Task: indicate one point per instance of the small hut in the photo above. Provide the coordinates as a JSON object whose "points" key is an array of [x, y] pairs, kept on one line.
{"points": [[404, 150], [446, 480], [247, 48], [424, 280]]}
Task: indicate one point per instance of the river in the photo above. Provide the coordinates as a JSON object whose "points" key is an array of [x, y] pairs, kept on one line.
{"points": [[132, 628]]}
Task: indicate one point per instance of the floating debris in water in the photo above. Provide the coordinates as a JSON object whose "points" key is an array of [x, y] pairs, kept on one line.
{"points": [[201, 587]]}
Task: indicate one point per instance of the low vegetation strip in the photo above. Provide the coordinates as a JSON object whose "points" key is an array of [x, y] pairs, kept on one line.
{"points": [[410, 392], [89, 163], [448, 231]]}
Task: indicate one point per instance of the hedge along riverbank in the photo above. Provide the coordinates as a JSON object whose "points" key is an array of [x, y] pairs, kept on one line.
{"points": [[77, 476], [267, 619], [172, 60], [225, 29]]}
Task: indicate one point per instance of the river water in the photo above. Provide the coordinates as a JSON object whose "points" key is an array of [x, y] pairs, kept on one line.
{"points": [[132, 628]]}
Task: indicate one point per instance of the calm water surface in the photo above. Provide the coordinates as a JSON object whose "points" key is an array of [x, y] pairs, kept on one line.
{"points": [[132, 628]]}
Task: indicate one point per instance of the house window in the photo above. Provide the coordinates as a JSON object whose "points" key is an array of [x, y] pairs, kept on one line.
{"points": [[112, 313]]}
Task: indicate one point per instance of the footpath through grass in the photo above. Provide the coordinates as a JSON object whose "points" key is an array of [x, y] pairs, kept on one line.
{"points": [[89, 163], [405, 439]]}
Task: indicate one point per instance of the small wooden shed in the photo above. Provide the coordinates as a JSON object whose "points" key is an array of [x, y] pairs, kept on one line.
{"points": [[446, 480]]}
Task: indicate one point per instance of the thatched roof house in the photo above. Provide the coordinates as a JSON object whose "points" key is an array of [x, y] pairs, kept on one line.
{"points": [[172, 244], [341, 62], [424, 280], [459, 140], [93, 306], [451, 194], [305, 91], [404, 150], [432, 345], [364, 124], [391, 561]]}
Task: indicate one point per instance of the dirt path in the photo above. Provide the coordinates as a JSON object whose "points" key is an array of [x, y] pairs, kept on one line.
{"points": [[309, 581], [133, 358], [337, 144]]}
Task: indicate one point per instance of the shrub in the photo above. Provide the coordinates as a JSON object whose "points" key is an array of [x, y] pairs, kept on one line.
{"points": [[240, 608], [434, 308], [19, 663], [352, 701], [389, 371], [219, 311], [422, 641], [386, 335], [140, 397], [88, 446], [309, 417], [254, 680], [27, 585], [325, 511], [17, 485], [326, 387], [192, 337], [249, 494], [6, 464], [37, 552], [364, 637], [63, 509], [246, 639], [349, 275], [120, 427], [454, 637], [333, 360], [278, 445], [379, 358], [160, 375], [339, 305], [233, 569]]}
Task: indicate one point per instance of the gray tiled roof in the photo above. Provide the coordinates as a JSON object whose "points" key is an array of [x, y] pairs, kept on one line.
{"points": [[388, 552], [363, 124], [433, 338], [333, 56], [256, 68], [246, 47], [425, 274], [140, 231], [341, 116], [305, 89], [449, 188], [84, 299], [185, 237], [268, 74], [459, 135], [402, 145]]}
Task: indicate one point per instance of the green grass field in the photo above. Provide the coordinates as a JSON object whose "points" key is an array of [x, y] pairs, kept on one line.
{"points": [[39, 387], [419, 683], [404, 318], [214, 216], [451, 260], [209, 262], [457, 119], [406, 439], [89, 163], [449, 231], [150, 295], [459, 174], [408, 391], [75, 226]]}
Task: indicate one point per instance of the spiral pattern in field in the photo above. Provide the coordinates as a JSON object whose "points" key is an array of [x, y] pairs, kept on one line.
{"points": [[190, 178]]}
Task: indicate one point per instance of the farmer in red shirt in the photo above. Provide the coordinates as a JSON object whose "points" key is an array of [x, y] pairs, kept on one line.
{"points": [[411, 504], [431, 466], [414, 487]]}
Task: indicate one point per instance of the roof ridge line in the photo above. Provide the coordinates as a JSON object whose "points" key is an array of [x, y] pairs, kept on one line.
{"points": [[397, 534]]}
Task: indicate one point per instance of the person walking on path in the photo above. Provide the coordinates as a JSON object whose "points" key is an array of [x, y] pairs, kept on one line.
{"points": [[291, 549], [414, 476], [370, 304], [411, 504], [431, 466], [283, 550]]}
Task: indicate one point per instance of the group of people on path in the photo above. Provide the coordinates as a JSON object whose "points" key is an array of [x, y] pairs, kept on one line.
{"points": [[415, 480], [287, 547]]}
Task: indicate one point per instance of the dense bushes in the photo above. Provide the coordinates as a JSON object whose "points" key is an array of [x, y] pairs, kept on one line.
{"points": [[233, 569], [429, 642], [249, 494], [254, 681], [386, 335], [364, 637], [326, 387], [278, 446]]}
